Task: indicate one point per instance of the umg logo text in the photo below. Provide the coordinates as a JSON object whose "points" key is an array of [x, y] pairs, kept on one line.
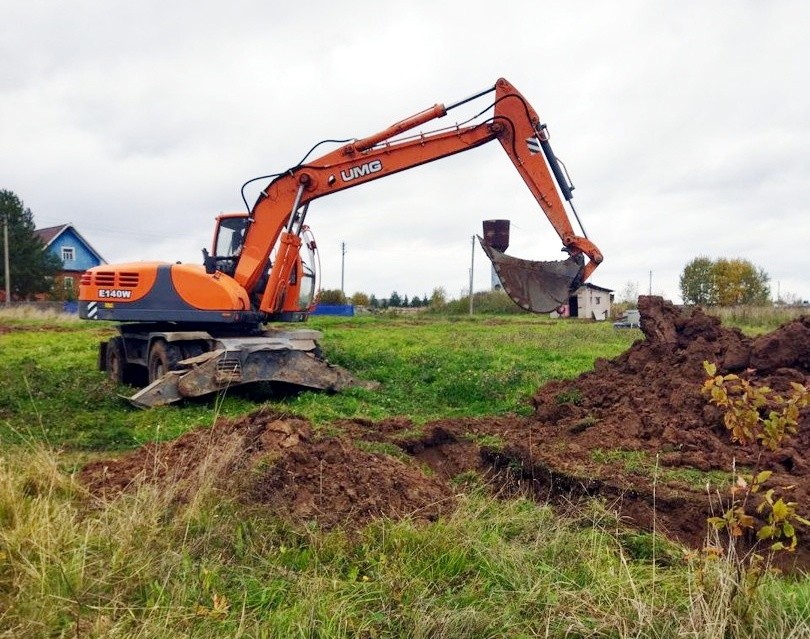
{"points": [[354, 172]]}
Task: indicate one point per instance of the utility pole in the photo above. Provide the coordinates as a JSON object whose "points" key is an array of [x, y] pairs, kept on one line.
{"points": [[7, 269], [650, 282], [342, 267], [472, 271]]}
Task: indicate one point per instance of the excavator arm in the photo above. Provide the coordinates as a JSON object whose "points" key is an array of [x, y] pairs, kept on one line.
{"points": [[277, 217]]}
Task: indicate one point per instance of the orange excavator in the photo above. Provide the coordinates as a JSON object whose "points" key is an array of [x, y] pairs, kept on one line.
{"points": [[189, 329]]}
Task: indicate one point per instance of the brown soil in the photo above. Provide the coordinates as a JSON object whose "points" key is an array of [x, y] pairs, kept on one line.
{"points": [[646, 404]]}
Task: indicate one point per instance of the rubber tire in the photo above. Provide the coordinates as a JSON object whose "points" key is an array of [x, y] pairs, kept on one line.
{"points": [[115, 360], [163, 357]]}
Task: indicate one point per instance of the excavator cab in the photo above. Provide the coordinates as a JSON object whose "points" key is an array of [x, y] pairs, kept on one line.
{"points": [[303, 285], [229, 235]]}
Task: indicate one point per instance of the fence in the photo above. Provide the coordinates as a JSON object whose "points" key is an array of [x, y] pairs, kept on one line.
{"points": [[344, 310]]}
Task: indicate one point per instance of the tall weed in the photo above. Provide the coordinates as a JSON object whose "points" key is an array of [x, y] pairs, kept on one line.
{"points": [[146, 564]]}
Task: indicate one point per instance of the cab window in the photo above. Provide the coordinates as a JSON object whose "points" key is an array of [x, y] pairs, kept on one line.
{"points": [[230, 236]]}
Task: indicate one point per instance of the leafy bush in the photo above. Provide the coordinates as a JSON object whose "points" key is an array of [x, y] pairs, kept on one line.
{"points": [[756, 415]]}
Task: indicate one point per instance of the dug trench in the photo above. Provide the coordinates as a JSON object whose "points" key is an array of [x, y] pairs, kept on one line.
{"points": [[635, 433]]}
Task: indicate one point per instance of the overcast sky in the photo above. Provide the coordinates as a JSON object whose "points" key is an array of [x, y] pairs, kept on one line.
{"points": [[685, 127]]}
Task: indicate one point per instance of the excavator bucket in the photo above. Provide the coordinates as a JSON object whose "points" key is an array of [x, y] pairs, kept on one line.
{"points": [[540, 287]]}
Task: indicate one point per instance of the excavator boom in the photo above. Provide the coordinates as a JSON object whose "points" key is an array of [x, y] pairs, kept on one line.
{"points": [[517, 127]]}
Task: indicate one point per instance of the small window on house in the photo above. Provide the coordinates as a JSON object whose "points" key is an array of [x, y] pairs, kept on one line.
{"points": [[598, 299], [68, 283], [68, 253]]}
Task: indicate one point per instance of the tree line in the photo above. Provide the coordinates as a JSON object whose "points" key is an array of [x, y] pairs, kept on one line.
{"points": [[395, 300]]}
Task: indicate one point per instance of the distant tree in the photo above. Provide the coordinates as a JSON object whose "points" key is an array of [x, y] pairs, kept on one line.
{"points": [[740, 282], [332, 296], [724, 282], [416, 302], [406, 301], [697, 282], [395, 300], [438, 297], [360, 299], [373, 302], [32, 268], [425, 301]]}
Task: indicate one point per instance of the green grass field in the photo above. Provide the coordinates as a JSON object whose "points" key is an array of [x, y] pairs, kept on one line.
{"points": [[144, 566], [428, 368]]}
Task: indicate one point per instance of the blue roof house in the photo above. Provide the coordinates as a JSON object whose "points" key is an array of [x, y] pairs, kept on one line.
{"points": [[76, 254]]}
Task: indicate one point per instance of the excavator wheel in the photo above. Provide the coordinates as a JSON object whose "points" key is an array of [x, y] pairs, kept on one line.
{"points": [[115, 360], [163, 357], [118, 370]]}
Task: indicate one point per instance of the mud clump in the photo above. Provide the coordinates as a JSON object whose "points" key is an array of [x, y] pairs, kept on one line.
{"points": [[634, 432]]}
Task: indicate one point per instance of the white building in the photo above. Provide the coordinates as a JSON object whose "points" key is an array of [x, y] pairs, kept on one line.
{"points": [[588, 302]]}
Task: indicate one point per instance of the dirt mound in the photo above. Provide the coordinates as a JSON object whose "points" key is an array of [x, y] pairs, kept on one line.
{"points": [[635, 431], [279, 461], [649, 397]]}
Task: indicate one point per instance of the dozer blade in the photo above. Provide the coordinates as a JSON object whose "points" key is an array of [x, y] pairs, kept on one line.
{"points": [[540, 287], [219, 370]]}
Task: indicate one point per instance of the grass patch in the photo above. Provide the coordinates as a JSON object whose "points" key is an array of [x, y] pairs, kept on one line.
{"points": [[485, 440], [569, 396], [642, 463], [381, 448], [433, 367]]}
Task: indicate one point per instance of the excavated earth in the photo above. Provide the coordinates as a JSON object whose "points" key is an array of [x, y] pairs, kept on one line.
{"points": [[634, 432]]}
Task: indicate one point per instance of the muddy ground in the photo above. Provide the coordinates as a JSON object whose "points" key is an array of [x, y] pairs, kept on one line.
{"points": [[635, 432]]}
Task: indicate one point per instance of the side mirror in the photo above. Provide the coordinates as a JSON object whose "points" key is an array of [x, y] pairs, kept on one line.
{"points": [[209, 262]]}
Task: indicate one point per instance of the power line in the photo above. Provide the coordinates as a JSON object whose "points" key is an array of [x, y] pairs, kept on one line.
{"points": [[118, 231], [122, 232]]}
